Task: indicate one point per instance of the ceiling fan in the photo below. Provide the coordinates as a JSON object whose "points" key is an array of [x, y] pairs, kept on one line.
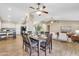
{"points": [[39, 8]]}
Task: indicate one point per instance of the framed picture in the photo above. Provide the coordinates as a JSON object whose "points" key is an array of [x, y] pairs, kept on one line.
{"points": [[65, 29]]}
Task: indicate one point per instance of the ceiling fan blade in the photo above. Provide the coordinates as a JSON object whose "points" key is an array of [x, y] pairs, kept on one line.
{"points": [[45, 12], [38, 3], [32, 7], [44, 7]]}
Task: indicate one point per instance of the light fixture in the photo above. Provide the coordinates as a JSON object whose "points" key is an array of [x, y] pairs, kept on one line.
{"points": [[43, 24], [39, 9], [51, 22], [38, 12], [9, 9], [9, 16]]}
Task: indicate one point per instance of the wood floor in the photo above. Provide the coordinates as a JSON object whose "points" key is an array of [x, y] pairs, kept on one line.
{"points": [[13, 47]]}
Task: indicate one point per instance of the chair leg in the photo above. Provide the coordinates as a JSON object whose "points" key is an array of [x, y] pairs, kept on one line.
{"points": [[45, 52], [51, 44], [38, 50], [49, 49], [23, 45], [25, 48], [30, 51]]}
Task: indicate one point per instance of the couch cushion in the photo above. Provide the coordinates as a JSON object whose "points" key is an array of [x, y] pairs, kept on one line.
{"points": [[63, 37]]}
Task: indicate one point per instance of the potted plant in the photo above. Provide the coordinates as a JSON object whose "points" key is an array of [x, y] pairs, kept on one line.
{"points": [[38, 29]]}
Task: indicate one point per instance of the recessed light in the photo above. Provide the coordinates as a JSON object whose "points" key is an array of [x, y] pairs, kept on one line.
{"points": [[9, 16], [38, 12], [52, 22], [44, 24], [9, 9]]}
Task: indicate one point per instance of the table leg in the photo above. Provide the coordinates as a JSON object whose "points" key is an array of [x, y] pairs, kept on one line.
{"points": [[51, 44], [38, 48]]}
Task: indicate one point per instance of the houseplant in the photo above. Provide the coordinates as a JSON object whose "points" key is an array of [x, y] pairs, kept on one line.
{"points": [[38, 29]]}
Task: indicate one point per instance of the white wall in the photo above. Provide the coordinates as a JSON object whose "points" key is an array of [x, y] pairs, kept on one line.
{"points": [[18, 28], [8, 25], [56, 26], [0, 24]]}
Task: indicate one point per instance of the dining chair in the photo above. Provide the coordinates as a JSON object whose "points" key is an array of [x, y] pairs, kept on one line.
{"points": [[29, 32], [47, 45], [28, 42], [23, 38], [46, 33], [3, 35], [42, 32]]}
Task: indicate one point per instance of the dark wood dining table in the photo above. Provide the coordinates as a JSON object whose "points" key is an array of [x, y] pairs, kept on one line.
{"points": [[39, 39]]}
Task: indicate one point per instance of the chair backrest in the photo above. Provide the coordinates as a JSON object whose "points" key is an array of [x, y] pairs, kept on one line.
{"points": [[26, 39], [49, 39], [29, 32], [47, 33], [41, 32]]}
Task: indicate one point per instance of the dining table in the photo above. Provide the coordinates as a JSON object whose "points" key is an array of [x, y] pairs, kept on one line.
{"points": [[39, 39]]}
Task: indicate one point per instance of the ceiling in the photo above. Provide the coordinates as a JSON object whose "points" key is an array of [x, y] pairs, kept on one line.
{"points": [[59, 11]]}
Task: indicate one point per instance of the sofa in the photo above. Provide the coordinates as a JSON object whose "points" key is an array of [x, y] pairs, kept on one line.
{"points": [[75, 37], [7, 32], [60, 36], [3, 35]]}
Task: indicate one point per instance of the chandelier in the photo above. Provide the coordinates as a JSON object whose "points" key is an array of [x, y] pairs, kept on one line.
{"points": [[39, 9]]}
